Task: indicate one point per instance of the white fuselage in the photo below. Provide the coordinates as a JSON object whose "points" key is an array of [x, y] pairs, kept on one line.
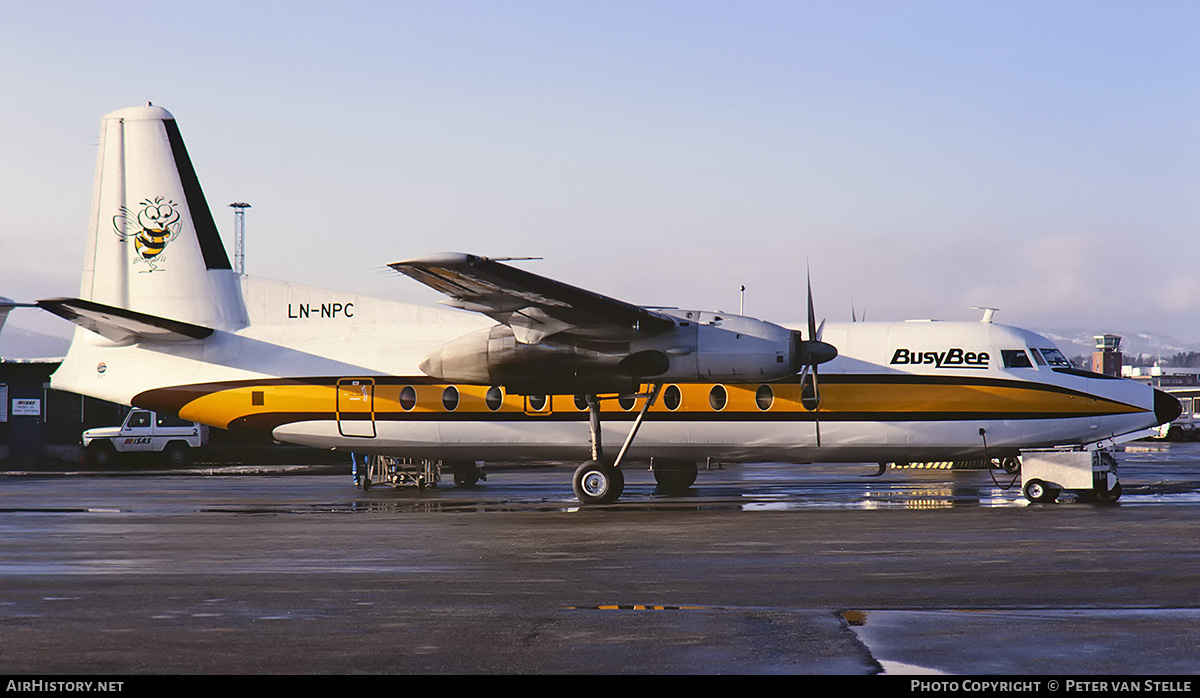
{"points": [[897, 391]]}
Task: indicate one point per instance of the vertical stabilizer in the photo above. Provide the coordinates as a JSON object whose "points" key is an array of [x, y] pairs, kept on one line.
{"points": [[152, 244]]}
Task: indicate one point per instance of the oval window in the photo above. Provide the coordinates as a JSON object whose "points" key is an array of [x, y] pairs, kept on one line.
{"points": [[626, 402], [450, 398], [764, 396], [717, 397], [408, 398], [581, 403], [537, 403], [672, 398], [494, 398]]}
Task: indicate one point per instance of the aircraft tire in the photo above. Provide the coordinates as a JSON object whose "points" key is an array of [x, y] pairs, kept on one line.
{"points": [[1038, 491], [466, 477], [597, 483], [674, 476], [1111, 495]]}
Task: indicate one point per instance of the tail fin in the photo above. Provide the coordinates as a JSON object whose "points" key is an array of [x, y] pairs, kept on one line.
{"points": [[152, 245]]}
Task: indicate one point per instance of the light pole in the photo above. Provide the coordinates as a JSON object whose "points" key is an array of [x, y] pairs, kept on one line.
{"points": [[239, 236]]}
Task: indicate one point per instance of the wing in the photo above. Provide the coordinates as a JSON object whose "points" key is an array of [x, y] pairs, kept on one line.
{"points": [[535, 307]]}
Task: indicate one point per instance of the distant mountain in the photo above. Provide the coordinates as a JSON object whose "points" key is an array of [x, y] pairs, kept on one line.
{"points": [[1076, 342], [20, 343]]}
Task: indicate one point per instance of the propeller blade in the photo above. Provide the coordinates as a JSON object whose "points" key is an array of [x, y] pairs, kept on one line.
{"points": [[817, 409], [812, 315], [815, 352], [810, 395]]}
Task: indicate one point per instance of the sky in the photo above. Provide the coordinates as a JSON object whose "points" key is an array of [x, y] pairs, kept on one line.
{"points": [[917, 158]]}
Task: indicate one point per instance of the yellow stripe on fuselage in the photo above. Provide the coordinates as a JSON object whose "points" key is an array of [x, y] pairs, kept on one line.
{"points": [[859, 400]]}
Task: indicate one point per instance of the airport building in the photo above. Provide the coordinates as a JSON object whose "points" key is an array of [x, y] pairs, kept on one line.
{"points": [[1163, 376], [42, 428], [38, 424]]}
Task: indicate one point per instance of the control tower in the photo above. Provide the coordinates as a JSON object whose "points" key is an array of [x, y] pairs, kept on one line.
{"points": [[1107, 357]]}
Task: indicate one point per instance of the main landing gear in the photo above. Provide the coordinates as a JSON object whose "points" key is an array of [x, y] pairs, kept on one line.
{"points": [[597, 482]]}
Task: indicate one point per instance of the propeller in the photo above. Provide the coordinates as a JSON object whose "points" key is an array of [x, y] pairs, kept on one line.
{"points": [[810, 354]]}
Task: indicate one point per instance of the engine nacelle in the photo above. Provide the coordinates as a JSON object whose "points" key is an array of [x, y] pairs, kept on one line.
{"points": [[702, 347], [494, 357]]}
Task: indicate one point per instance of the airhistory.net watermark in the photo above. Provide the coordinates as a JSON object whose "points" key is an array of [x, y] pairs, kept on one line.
{"points": [[45, 686]]}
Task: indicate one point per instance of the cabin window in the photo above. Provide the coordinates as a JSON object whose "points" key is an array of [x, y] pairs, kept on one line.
{"points": [[450, 398], [408, 398], [1015, 358], [581, 403], [763, 397], [494, 398], [537, 403], [672, 398], [717, 397], [626, 402]]}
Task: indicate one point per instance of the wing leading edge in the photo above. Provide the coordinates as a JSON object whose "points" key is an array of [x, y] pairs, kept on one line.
{"points": [[535, 307]]}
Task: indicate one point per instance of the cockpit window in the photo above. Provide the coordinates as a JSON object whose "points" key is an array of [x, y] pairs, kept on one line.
{"points": [[1037, 357], [1055, 357], [1015, 358]]}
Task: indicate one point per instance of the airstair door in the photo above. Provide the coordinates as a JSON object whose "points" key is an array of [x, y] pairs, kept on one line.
{"points": [[356, 407]]}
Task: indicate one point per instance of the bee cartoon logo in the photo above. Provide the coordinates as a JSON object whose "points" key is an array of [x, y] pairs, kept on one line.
{"points": [[154, 225]]}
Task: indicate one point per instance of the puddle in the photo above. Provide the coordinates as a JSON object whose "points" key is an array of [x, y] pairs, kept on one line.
{"points": [[1031, 641]]}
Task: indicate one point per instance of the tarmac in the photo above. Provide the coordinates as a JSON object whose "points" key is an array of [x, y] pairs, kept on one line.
{"points": [[758, 569]]}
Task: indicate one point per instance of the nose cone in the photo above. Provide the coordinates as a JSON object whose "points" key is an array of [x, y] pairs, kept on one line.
{"points": [[1166, 407], [819, 352]]}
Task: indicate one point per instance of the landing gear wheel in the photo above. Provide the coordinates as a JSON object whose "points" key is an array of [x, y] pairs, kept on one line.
{"points": [[1011, 465], [597, 483], [1038, 491], [466, 477], [674, 476], [1111, 495]]}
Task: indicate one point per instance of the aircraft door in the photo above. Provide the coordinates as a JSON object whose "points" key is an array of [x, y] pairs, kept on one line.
{"points": [[356, 407]]}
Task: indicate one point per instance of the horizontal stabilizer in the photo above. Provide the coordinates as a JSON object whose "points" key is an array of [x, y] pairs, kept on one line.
{"points": [[6, 305], [121, 325]]}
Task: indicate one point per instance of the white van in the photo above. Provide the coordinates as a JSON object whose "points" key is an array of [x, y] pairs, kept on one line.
{"points": [[145, 432]]}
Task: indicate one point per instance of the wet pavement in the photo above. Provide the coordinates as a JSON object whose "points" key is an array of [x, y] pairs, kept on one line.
{"points": [[758, 569]]}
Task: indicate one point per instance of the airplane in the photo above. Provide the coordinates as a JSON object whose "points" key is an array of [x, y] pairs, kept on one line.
{"points": [[535, 367]]}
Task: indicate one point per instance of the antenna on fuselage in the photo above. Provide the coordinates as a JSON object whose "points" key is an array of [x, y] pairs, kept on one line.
{"points": [[987, 313]]}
